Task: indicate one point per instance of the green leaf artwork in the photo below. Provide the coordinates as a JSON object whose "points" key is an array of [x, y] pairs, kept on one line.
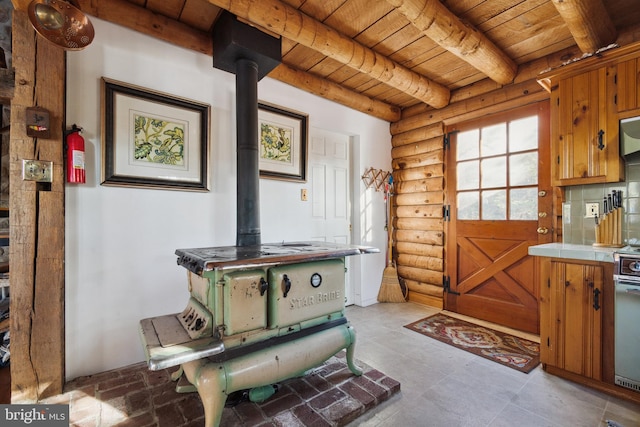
{"points": [[275, 143], [158, 141]]}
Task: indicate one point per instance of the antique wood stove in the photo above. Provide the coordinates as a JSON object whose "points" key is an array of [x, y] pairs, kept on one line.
{"points": [[257, 313]]}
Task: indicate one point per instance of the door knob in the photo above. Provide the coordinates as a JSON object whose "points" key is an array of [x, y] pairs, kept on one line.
{"points": [[542, 230], [542, 214]]}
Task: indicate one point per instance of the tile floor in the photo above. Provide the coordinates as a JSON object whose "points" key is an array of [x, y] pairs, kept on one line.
{"points": [[445, 386]]}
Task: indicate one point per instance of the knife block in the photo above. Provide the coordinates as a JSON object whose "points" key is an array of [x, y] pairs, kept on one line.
{"points": [[609, 230]]}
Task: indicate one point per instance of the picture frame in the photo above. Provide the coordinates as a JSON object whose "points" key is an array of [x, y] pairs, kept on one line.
{"points": [[283, 142], [151, 139]]}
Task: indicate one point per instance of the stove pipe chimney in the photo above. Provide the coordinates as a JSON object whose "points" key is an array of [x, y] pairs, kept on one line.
{"points": [[250, 54]]}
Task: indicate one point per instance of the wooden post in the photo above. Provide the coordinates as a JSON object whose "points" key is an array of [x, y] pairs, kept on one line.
{"points": [[37, 221]]}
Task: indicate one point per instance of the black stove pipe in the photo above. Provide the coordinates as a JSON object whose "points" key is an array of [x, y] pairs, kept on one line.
{"points": [[248, 173]]}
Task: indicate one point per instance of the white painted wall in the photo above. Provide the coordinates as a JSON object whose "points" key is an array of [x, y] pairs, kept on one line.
{"points": [[120, 242]]}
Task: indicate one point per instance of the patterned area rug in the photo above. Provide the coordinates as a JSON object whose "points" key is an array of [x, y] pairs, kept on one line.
{"points": [[514, 352]]}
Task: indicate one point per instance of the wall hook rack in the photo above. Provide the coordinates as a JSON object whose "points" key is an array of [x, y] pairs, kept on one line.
{"points": [[376, 178]]}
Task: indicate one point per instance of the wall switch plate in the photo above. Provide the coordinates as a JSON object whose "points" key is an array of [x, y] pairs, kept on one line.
{"points": [[303, 195], [592, 210], [37, 170]]}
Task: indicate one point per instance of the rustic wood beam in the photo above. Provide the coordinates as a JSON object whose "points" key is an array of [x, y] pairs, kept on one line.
{"points": [[334, 92], [289, 22], [589, 23], [445, 28], [126, 14], [36, 212]]}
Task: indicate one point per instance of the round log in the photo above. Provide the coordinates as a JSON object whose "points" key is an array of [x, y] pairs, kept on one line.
{"points": [[417, 261], [424, 288], [420, 249], [426, 211], [417, 236], [423, 224], [419, 134], [427, 198], [419, 160], [289, 22], [420, 275], [421, 172], [418, 147], [420, 186]]}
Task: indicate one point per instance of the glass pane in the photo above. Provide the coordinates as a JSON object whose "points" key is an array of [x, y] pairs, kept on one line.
{"points": [[523, 169], [494, 172], [468, 175], [494, 204], [524, 204], [467, 145], [523, 134], [468, 206], [494, 140]]}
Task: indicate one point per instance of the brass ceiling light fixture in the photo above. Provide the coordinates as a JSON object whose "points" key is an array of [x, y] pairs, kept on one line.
{"points": [[62, 23]]}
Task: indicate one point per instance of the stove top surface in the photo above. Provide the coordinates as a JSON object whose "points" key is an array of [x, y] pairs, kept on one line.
{"points": [[203, 259]]}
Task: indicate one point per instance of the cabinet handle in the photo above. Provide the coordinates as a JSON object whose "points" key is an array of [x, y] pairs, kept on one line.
{"points": [[601, 139], [596, 299]]}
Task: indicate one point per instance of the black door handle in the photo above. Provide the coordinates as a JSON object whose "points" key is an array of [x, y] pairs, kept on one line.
{"points": [[596, 299]]}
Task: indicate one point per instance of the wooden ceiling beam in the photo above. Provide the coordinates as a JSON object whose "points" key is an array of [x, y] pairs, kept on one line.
{"points": [[151, 24], [334, 92], [589, 23], [289, 22], [467, 43]]}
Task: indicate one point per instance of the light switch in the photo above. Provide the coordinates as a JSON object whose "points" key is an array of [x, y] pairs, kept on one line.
{"points": [[303, 195], [37, 170]]}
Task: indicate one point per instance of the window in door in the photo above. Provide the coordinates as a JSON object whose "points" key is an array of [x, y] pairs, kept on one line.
{"points": [[497, 171]]}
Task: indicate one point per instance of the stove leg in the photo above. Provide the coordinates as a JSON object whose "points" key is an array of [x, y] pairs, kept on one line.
{"points": [[356, 370], [209, 380]]}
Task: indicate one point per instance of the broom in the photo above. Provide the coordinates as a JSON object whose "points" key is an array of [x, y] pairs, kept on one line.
{"points": [[390, 290]]}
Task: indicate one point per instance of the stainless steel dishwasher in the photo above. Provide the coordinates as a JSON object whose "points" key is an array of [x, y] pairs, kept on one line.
{"points": [[627, 318]]}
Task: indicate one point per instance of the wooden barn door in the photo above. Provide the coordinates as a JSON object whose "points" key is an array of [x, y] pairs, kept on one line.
{"points": [[499, 203]]}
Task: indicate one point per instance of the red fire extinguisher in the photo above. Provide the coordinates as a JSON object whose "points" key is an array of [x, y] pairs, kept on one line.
{"points": [[75, 156]]}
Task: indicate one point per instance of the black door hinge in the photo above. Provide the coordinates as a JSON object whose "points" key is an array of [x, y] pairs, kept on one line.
{"points": [[447, 139], [446, 284], [548, 342], [446, 213]]}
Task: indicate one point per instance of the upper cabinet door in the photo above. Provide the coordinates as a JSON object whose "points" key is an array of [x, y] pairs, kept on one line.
{"points": [[628, 93], [584, 129]]}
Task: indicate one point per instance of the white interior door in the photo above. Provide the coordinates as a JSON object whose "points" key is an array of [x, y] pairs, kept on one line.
{"points": [[330, 180]]}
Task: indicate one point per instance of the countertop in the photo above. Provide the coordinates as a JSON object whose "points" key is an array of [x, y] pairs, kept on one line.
{"points": [[572, 251]]}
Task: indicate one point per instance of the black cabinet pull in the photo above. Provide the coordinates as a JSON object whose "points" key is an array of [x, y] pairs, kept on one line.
{"points": [[287, 285], [263, 286], [596, 299], [601, 139]]}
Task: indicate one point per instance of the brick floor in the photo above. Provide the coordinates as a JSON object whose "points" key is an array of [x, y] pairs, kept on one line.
{"points": [[133, 396]]}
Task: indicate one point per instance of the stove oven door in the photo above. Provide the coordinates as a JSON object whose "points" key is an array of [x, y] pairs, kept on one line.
{"points": [[245, 301], [305, 294]]}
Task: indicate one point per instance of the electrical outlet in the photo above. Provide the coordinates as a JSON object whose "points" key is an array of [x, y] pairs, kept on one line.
{"points": [[591, 210]]}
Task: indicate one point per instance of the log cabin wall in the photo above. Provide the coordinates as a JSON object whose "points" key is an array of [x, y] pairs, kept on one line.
{"points": [[419, 184]]}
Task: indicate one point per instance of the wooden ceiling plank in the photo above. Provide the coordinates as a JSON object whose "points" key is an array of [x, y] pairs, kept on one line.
{"points": [[199, 14], [328, 90], [355, 16], [446, 29], [519, 12], [381, 29], [295, 25], [304, 58], [589, 22], [320, 9]]}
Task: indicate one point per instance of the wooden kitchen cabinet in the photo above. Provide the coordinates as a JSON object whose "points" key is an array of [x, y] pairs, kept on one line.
{"points": [[584, 129], [628, 91], [571, 300]]}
